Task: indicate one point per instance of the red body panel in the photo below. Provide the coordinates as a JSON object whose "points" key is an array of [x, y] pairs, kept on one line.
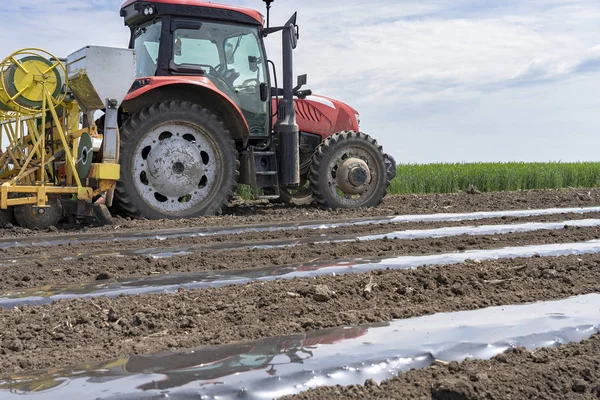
{"points": [[323, 116], [159, 81], [199, 3], [319, 115]]}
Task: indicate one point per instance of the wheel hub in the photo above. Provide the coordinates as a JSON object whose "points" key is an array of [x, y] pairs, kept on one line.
{"points": [[175, 167], [353, 176]]}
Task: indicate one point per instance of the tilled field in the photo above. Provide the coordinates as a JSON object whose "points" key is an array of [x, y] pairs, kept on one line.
{"points": [[96, 329]]}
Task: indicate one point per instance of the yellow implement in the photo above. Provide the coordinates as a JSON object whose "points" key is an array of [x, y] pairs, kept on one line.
{"points": [[46, 155]]}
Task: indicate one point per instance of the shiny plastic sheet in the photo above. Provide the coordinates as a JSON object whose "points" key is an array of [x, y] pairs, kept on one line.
{"points": [[167, 252], [196, 280], [162, 234], [277, 366]]}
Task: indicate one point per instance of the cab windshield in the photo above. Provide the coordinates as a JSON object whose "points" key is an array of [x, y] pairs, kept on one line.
{"points": [[146, 44]]}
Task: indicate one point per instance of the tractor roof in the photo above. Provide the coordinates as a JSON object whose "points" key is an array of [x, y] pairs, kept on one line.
{"points": [[206, 4]]}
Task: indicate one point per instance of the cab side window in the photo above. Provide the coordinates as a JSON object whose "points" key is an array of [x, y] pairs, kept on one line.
{"points": [[190, 48]]}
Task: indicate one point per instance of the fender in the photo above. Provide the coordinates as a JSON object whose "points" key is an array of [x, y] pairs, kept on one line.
{"points": [[196, 89]]}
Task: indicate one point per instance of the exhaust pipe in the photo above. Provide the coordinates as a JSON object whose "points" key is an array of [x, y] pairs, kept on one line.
{"points": [[286, 129]]}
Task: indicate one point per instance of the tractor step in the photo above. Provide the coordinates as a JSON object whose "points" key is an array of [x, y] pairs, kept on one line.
{"points": [[261, 173]]}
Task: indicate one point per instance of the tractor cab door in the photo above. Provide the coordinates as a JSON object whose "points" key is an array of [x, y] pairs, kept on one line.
{"points": [[232, 57], [245, 56]]}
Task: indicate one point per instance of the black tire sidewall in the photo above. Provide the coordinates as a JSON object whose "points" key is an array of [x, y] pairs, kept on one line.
{"points": [[325, 153], [178, 112]]}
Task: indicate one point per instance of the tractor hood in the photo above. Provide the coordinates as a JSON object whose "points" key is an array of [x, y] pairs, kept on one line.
{"points": [[324, 116]]}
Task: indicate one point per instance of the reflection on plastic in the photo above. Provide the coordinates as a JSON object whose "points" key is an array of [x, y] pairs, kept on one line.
{"points": [[277, 366], [196, 280], [162, 234], [167, 252]]}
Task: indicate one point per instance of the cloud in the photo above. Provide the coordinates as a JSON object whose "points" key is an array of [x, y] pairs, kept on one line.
{"points": [[61, 27], [427, 75], [442, 51]]}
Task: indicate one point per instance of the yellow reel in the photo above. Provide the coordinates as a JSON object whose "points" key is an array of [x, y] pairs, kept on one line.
{"points": [[26, 76]]}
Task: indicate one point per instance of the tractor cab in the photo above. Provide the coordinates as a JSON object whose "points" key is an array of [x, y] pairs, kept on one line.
{"points": [[221, 44]]}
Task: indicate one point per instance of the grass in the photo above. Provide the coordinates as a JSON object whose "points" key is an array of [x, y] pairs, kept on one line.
{"points": [[492, 177], [485, 177], [244, 192]]}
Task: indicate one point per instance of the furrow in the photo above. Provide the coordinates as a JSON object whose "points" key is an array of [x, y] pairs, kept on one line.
{"points": [[284, 365]]}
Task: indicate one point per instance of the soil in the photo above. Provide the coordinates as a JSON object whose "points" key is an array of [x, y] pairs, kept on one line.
{"points": [[570, 371], [78, 331], [41, 272], [74, 331], [105, 246], [257, 212]]}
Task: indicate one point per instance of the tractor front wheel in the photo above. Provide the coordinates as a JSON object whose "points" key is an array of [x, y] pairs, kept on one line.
{"points": [[177, 161], [349, 171]]}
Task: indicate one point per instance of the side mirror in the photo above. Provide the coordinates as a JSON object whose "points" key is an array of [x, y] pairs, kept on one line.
{"points": [[294, 30], [178, 46], [302, 79], [253, 63], [264, 92], [294, 37]]}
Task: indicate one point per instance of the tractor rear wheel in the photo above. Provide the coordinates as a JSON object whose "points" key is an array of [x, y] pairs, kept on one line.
{"points": [[177, 161], [349, 171]]}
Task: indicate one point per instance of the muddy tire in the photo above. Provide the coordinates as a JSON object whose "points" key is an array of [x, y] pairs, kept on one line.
{"points": [[177, 161], [390, 164], [349, 171], [300, 196]]}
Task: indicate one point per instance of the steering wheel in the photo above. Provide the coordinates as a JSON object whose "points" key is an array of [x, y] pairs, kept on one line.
{"points": [[246, 88], [247, 81]]}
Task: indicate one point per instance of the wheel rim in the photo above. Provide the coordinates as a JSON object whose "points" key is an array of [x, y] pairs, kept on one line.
{"points": [[176, 168], [353, 176]]}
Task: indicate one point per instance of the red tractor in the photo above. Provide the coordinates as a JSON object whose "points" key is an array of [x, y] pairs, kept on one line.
{"points": [[205, 114]]}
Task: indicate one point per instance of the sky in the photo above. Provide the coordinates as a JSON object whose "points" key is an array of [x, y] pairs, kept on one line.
{"points": [[433, 80]]}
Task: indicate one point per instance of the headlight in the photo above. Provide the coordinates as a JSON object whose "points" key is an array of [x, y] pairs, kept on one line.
{"points": [[149, 10], [357, 119]]}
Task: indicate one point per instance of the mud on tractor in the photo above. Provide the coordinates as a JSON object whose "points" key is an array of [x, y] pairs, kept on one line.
{"points": [[191, 109]]}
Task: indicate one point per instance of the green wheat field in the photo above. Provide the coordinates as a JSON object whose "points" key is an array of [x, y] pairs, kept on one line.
{"points": [[493, 177], [485, 177]]}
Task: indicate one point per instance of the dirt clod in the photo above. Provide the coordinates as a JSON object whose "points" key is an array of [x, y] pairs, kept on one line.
{"points": [[453, 389], [579, 386], [322, 293], [472, 190]]}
